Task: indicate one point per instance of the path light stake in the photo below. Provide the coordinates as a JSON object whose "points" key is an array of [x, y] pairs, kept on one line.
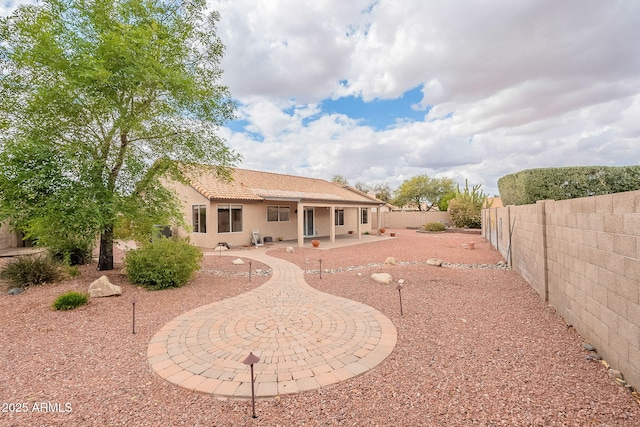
{"points": [[399, 288], [250, 360], [321, 269], [249, 270], [134, 300]]}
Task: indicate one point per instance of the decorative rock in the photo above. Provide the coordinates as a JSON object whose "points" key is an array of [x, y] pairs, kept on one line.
{"points": [[15, 291], [391, 261], [400, 281], [383, 278], [290, 249], [588, 347], [237, 261], [102, 287], [614, 373], [434, 261], [221, 248]]}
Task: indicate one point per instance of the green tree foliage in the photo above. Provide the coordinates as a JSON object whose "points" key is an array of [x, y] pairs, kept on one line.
{"points": [[465, 209], [361, 186], [97, 97], [443, 205], [531, 185], [382, 191], [422, 190], [339, 179]]}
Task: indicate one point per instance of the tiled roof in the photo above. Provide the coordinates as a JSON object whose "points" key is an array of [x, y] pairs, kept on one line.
{"points": [[254, 185]]}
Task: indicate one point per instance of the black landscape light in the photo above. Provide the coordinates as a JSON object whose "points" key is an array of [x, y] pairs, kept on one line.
{"points": [[249, 270], [251, 360], [399, 288], [320, 268], [134, 300]]}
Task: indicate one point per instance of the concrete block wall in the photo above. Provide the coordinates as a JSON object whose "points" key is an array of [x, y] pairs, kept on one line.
{"points": [[398, 219], [583, 257]]}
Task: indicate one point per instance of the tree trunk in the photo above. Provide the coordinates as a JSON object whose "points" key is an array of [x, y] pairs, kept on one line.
{"points": [[105, 259]]}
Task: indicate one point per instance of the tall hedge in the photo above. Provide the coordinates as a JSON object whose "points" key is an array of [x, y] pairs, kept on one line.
{"points": [[531, 185]]}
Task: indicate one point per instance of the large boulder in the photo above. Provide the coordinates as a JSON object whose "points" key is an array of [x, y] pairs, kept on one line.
{"points": [[383, 278], [102, 287], [237, 261], [391, 261]]}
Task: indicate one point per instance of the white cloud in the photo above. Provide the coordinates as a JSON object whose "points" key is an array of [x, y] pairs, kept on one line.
{"points": [[510, 85]]}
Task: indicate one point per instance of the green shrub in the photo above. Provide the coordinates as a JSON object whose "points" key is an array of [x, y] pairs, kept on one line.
{"points": [[163, 263], [529, 186], [70, 300], [434, 226], [73, 271], [465, 210], [31, 270]]}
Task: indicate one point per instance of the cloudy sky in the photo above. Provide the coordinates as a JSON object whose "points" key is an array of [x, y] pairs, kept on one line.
{"points": [[381, 91]]}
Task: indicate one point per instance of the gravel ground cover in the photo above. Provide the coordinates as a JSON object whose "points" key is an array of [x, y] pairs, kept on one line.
{"points": [[476, 346]]}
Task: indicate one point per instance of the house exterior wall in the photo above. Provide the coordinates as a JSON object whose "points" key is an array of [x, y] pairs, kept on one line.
{"points": [[582, 256], [254, 218]]}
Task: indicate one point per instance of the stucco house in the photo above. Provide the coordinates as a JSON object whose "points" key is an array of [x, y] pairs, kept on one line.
{"points": [[279, 206]]}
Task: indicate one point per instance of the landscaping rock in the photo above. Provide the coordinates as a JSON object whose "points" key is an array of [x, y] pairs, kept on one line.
{"points": [[220, 248], [102, 287], [238, 261], [290, 249], [588, 347], [15, 291], [434, 261], [383, 278], [391, 261]]}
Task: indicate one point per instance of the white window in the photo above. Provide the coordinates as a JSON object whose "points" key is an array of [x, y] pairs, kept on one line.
{"points": [[199, 218], [229, 218], [339, 216], [278, 213]]}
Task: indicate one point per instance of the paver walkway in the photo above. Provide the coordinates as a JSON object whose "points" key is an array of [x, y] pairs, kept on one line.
{"points": [[305, 339]]}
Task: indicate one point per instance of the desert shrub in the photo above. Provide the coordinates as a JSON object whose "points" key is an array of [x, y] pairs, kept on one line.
{"points": [[464, 214], [163, 263], [72, 271], [434, 226], [465, 210], [70, 300], [31, 270]]}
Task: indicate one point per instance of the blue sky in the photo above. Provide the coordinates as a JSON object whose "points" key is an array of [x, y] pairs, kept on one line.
{"points": [[381, 91]]}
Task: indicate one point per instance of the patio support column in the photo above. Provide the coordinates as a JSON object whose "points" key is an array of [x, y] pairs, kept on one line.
{"points": [[300, 225], [359, 221], [332, 224], [379, 218]]}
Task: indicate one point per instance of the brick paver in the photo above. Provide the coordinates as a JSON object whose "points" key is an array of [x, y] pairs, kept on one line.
{"points": [[305, 339]]}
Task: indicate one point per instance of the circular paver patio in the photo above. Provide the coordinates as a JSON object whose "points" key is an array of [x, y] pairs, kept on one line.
{"points": [[305, 339]]}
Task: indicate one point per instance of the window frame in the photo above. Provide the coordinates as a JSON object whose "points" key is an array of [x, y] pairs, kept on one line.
{"points": [[339, 217], [230, 209], [199, 218], [280, 210], [364, 216]]}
